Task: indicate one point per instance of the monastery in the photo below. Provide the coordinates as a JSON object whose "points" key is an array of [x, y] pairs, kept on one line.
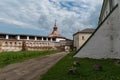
{"points": [[23, 42]]}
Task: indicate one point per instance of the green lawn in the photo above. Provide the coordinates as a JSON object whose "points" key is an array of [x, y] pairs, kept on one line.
{"points": [[7, 58], [111, 71]]}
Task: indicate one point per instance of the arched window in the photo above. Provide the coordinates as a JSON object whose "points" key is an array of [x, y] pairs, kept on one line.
{"points": [[11, 43], [6, 42]]}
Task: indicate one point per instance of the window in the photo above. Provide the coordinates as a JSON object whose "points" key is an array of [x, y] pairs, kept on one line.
{"points": [[111, 4], [44, 38], [12, 36], [10, 42], [23, 37], [31, 37], [106, 12], [6, 43], [54, 39], [39, 38], [49, 39], [19, 43], [83, 38], [2, 36]]}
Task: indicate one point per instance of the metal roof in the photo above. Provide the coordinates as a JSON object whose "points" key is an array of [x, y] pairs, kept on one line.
{"points": [[88, 30]]}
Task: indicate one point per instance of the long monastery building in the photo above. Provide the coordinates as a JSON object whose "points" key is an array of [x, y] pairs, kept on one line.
{"points": [[19, 42]]}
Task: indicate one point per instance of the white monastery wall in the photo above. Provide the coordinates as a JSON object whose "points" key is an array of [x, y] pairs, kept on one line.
{"points": [[105, 43]]}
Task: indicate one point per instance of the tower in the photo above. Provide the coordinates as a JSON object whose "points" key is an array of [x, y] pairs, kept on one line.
{"points": [[55, 32]]}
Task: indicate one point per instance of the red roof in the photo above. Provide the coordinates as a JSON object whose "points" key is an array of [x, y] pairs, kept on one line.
{"points": [[55, 32]]}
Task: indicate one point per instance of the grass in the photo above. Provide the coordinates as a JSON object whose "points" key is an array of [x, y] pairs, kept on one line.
{"points": [[59, 71], [7, 58]]}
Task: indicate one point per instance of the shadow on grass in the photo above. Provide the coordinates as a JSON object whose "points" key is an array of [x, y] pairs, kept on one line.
{"points": [[60, 71]]}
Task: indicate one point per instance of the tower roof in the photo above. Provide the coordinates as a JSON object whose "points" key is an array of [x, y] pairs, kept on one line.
{"points": [[55, 32]]}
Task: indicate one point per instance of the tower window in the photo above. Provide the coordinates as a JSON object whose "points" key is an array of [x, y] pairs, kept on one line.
{"points": [[83, 38]]}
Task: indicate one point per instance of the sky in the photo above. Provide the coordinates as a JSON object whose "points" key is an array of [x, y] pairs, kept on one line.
{"points": [[37, 17]]}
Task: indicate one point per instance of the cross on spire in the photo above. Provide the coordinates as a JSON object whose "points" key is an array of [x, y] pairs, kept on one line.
{"points": [[55, 32], [55, 22]]}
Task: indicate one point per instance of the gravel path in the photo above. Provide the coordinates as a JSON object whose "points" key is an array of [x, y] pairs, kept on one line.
{"points": [[31, 69]]}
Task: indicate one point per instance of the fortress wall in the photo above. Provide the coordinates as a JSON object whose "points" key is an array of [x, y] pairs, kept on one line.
{"points": [[105, 43], [19, 45]]}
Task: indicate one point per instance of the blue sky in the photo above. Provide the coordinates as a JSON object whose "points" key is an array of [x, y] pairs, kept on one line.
{"points": [[37, 17]]}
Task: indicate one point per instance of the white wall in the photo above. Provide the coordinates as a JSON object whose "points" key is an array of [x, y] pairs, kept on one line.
{"points": [[76, 40], [117, 34], [106, 9], [59, 39], [101, 45]]}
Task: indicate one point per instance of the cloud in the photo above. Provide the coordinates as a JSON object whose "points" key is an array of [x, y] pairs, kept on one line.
{"points": [[71, 15], [17, 23]]}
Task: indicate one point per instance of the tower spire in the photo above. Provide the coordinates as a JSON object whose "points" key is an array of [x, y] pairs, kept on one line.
{"points": [[55, 32], [55, 22]]}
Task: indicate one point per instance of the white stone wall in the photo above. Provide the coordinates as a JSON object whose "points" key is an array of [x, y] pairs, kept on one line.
{"points": [[17, 45], [105, 43], [39, 43], [76, 41], [9, 45], [117, 33], [106, 9]]}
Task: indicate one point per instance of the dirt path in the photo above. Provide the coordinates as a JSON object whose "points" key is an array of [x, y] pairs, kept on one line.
{"points": [[30, 69]]}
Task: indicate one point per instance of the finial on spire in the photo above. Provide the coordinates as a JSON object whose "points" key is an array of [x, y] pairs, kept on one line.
{"points": [[55, 32], [55, 22]]}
